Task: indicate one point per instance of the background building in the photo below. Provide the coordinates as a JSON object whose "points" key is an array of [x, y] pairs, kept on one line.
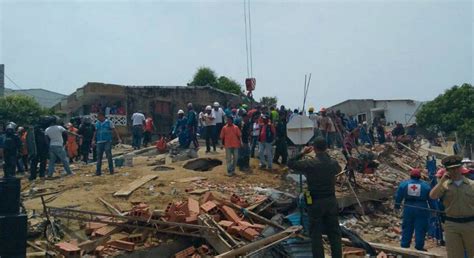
{"points": [[397, 110], [45, 98], [161, 102]]}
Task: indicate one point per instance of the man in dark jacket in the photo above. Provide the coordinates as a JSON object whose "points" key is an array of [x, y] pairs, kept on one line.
{"points": [[280, 142], [323, 210], [86, 130], [11, 149], [38, 148]]}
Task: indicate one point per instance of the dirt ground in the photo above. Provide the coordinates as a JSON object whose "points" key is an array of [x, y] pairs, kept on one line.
{"points": [[84, 188]]}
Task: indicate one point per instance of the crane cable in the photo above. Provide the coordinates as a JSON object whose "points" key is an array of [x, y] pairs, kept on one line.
{"points": [[248, 38]]}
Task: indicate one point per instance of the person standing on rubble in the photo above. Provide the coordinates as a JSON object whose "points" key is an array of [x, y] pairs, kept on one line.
{"points": [[265, 144], [244, 151], [56, 146], [457, 194], [232, 140], [209, 129], [11, 150], [38, 149], [327, 128], [192, 124], [86, 130], [323, 209], [149, 128], [102, 140], [415, 194], [138, 121], [218, 121], [280, 142]]}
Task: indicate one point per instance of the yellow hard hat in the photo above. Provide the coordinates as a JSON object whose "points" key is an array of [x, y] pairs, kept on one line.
{"points": [[311, 109]]}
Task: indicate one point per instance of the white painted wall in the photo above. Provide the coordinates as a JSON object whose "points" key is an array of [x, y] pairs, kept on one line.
{"points": [[399, 110]]}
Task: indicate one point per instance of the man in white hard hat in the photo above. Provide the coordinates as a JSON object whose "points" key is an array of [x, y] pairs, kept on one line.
{"points": [[209, 129], [219, 118]]}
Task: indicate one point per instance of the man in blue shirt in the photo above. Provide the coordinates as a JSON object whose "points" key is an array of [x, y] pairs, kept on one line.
{"points": [[103, 141], [415, 194]]}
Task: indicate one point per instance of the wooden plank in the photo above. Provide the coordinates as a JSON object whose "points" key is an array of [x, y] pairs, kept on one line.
{"points": [[191, 179], [405, 252], [134, 185]]}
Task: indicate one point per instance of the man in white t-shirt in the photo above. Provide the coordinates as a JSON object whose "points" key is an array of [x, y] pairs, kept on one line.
{"points": [[56, 147], [138, 121], [218, 121]]}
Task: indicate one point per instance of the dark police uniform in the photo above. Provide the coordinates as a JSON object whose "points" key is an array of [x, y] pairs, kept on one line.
{"points": [[323, 213]]}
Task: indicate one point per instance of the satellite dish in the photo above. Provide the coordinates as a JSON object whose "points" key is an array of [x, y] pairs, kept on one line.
{"points": [[300, 129]]}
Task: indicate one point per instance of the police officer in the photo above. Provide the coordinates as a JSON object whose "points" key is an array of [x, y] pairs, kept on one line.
{"points": [[11, 149], [416, 214], [456, 192], [38, 147], [323, 211]]}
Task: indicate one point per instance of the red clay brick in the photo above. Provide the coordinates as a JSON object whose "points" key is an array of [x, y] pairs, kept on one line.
{"points": [[92, 226], [99, 250], [122, 245], [186, 252], [136, 238], [249, 233], [230, 214], [234, 230], [104, 231], [68, 250], [208, 206], [203, 249], [193, 219], [196, 256], [193, 206], [226, 224], [208, 197]]}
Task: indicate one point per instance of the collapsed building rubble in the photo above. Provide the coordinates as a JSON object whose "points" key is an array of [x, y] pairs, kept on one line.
{"points": [[238, 218]]}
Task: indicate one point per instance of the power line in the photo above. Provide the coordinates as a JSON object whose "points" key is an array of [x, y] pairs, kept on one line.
{"points": [[23, 90]]}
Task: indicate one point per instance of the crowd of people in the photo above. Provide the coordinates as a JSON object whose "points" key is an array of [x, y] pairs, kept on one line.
{"points": [[260, 131]]}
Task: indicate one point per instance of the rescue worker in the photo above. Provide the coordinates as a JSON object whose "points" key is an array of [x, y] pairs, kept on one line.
{"points": [[180, 130], [323, 209], [315, 119], [138, 121], [71, 143], [457, 194], [192, 126], [415, 194], [280, 142], [11, 150]]}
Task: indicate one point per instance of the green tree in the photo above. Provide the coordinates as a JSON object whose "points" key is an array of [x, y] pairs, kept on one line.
{"points": [[204, 76], [450, 112], [21, 109], [229, 85], [269, 101]]}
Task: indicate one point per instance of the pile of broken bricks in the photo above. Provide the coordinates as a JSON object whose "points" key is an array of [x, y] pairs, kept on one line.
{"points": [[225, 213], [227, 217]]}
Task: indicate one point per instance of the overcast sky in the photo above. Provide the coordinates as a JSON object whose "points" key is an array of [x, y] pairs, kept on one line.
{"points": [[354, 49]]}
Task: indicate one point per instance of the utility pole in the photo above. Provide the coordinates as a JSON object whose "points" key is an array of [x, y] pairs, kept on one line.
{"points": [[2, 80]]}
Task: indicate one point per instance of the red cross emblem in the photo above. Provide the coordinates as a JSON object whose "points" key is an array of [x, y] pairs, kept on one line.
{"points": [[414, 187]]}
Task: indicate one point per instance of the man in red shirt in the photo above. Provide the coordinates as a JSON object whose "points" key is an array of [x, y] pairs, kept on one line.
{"points": [[232, 140], [149, 127]]}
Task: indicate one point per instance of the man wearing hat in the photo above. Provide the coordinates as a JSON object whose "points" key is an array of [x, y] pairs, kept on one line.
{"points": [[457, 193], [415, 194], [218, 121]]}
